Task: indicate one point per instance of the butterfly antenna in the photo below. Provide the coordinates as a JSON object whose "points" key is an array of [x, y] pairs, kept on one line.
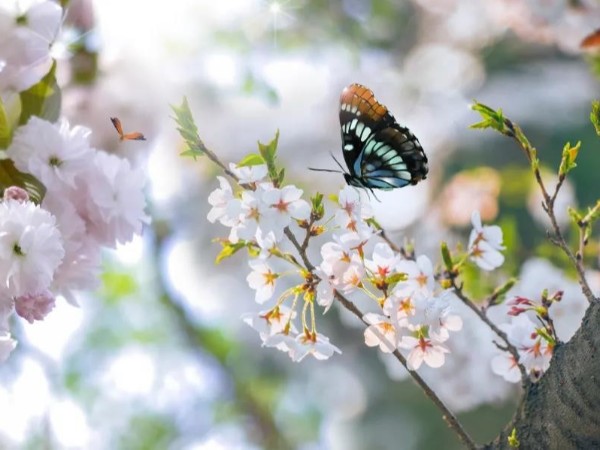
{"points": [[337, 162], [324, 170]]}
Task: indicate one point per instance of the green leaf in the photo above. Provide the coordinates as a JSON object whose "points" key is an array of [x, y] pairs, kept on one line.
{"points": [[4, 127], [251, 160], [497, 296], [229, 250], [569, 155], [491, 119], [595, 116], [42, 99], [446, 257], [10, 176], [188, 130], [318, 209], [512, 439], [269, 154]]}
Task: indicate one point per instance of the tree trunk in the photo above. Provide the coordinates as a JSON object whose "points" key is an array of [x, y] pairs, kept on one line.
{"points": [[562, 410]]}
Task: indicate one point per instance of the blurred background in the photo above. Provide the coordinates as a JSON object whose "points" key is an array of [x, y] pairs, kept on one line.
{"points": [[158, 358]]}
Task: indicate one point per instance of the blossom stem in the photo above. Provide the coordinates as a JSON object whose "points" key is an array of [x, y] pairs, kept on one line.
{"points": [[501, 334], [447, 415], [558, 238]]}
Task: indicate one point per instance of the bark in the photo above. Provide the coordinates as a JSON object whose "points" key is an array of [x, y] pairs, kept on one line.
{"points": [[562, 410]]}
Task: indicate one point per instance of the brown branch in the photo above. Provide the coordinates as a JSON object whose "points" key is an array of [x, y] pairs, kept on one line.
{"points": [[501, 334], [447, 415], [558, 238]]}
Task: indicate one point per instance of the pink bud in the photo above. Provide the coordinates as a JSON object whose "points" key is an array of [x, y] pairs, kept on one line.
{"points": [[16, 193], [34, 306], [515, 311]]}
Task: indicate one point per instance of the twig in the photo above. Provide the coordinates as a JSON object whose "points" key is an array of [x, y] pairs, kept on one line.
{"points": [[447, 415], [558, 238], [501, 334], [398, 249]]}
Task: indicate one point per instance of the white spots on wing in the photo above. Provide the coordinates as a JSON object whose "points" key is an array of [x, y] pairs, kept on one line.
{"points": [[404, 175], [353, 124], [365, 133], [354, 109], [359, 128], [348, 147]]}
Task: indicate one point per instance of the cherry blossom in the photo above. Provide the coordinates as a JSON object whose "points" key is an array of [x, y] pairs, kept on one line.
{"points": [[225, 208], [420, 276], [272, 322], [31, 248], [383, 264], [380, 332], [429, 351], [485, 243], [315, 344], [54, 153], [249, 174], [262, 279], [284, 205], [33, 307]]}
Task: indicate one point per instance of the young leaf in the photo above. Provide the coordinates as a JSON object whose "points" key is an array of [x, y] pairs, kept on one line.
{"points": [[228, 250], [595, 116], [269, 154], [42, 99], [188, 130], [491, 119], [4, 127], [251, 160], [10, 176], [569, 155]]}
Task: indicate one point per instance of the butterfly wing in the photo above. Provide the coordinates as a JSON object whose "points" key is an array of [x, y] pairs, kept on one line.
{"points": [[117, 124], [136, 136], [379, 152]]}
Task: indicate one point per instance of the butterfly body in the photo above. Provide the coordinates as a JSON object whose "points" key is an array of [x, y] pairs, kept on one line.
{"points": [[379, 153]]}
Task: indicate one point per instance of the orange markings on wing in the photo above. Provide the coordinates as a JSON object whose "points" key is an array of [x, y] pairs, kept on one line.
{"points": [[135, 136], [591, 41], [364, 100]]}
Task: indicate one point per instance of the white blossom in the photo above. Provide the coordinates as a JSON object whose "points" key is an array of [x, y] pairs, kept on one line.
{"points": [[31, 248], [429, 351], [262, 279], [314, 344], [249, 174], [114, 199], [54, 153], [272, 322], [420, 276], [25, 43], [283, 205], [380, 332], [485, 243], [225, 207]]}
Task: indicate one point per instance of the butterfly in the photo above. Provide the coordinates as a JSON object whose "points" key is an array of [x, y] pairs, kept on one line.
{"points": [[591, 41], [135, 136], [379, 153]]}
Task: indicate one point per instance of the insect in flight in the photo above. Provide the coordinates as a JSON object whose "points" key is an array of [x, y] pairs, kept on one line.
{"points": [[379, 153], [591, 41], [135, 136]]}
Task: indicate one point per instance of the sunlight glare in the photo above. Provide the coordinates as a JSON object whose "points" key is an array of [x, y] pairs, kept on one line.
{"points": [[69, 425]]}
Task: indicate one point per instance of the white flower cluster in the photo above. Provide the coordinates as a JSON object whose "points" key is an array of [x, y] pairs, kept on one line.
{"points": [[414, 316], [93, 200], [259, 216], [26, 36]]}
